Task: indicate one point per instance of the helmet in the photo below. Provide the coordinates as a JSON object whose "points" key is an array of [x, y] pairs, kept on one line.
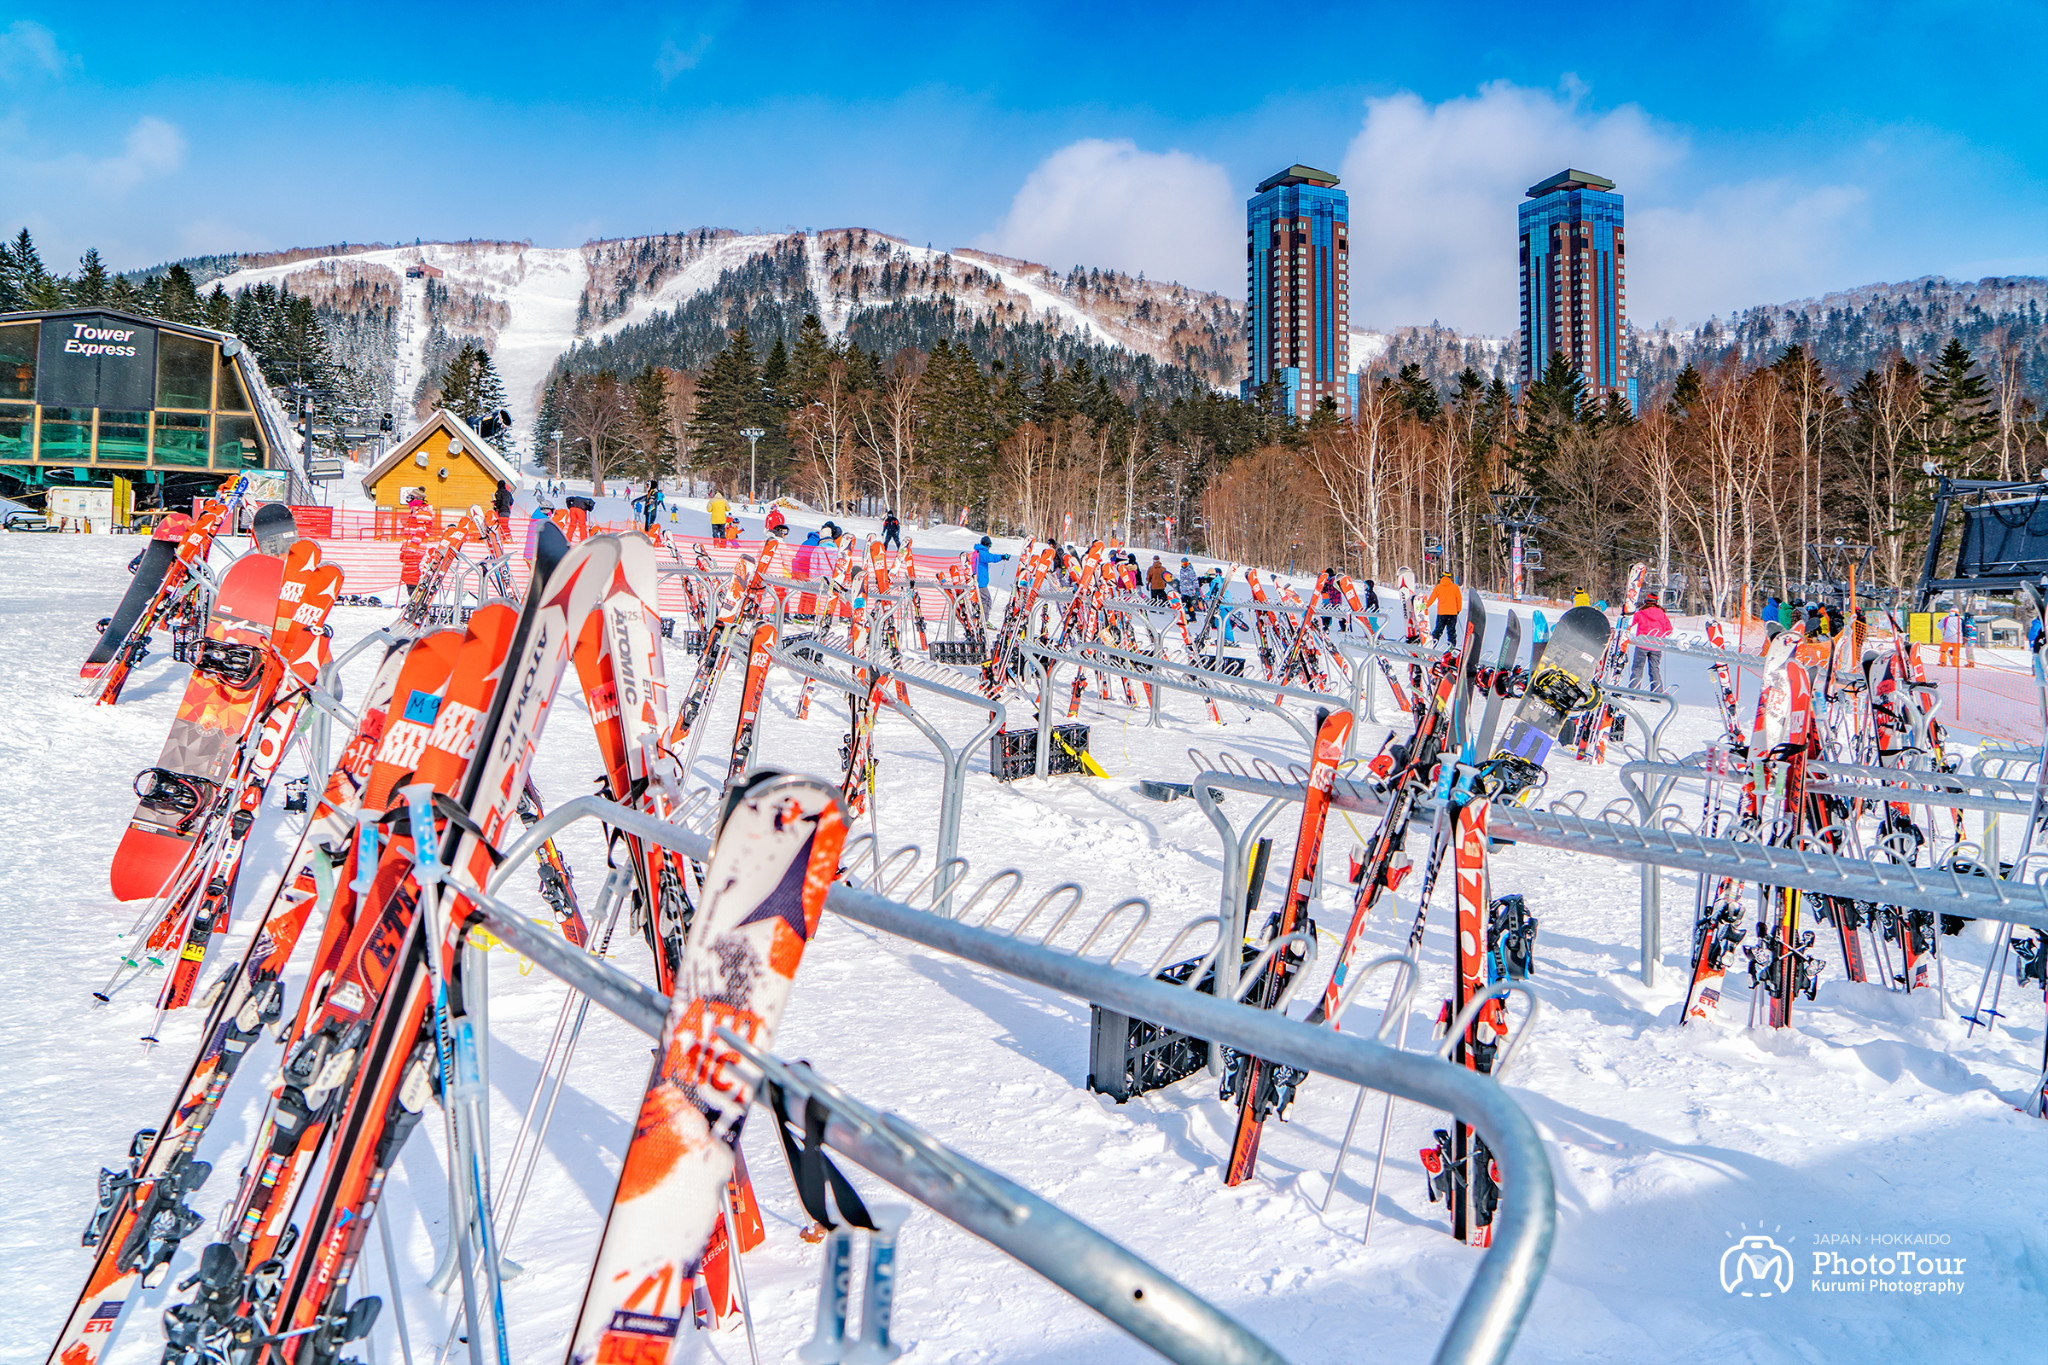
{"points": [[986, 541]]}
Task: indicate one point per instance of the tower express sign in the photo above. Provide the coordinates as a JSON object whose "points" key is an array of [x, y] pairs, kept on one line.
{"points": [[94, 360]]}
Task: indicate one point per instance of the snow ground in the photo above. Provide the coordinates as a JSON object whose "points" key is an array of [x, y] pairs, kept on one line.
{"points": [[1871, 1116]]}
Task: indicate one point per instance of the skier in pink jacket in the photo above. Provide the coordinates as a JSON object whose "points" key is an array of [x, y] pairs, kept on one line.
{"points": [[1650, 621]]}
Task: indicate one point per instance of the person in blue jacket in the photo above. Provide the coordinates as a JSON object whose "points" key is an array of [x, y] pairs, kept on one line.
{"points": [[984, 555]]}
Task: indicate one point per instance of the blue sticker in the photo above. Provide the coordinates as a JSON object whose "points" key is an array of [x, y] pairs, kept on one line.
{"points": [[422, 707]]}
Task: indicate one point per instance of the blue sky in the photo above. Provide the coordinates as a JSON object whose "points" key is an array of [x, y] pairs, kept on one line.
{"points": [[1768, 151]]}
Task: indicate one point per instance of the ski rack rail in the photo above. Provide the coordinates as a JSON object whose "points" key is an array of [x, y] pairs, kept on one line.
{"points": [[321, 741], [1482, 1327], [1361, 647], [1158, 673], [1673, 845], [953, 761], [1131, 1293], [1667, 644]]}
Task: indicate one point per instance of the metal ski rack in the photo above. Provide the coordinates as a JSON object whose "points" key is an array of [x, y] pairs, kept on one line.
{"points": [[1145, 1302], [806, 659], [1361, 650], [1675, 845], [1487, 1319], [1164, 674]]}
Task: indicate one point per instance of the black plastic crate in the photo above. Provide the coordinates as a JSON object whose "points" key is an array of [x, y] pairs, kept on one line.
{"points": [[668, 627], [1229, 664], [1128, 1057], [958, 652], [1014, 753], [693, 641]]}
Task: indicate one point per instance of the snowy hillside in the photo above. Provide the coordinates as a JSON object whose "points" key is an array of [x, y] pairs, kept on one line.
{"points": [[1876, 1121], [529, 305], [2003, 319]]}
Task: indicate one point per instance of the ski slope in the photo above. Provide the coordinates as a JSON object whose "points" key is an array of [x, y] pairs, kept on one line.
{"points": [[1873, 1116], [542, 286]]}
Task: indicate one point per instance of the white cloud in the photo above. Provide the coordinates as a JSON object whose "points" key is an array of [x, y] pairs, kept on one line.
{"points": [[28, 49], [1434, 191], [672, 61], [153, 148], [1766, 241], [1097, 202], [75, 197]]}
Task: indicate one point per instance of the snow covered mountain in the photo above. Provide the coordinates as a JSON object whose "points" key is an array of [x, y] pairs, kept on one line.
{"points": [[398, 312], [1853, 330]]}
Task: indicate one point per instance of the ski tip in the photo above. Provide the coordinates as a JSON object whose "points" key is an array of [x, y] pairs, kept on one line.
{"points": [[549, 549]]}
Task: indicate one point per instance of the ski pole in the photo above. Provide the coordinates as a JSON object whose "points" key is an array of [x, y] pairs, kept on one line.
{"points": [[397, 1299], [1993, 968], [739, 1274], [1386, 1132]]}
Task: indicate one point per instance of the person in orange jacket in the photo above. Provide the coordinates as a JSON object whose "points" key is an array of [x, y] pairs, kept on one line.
{"points": [[1447, 600]]}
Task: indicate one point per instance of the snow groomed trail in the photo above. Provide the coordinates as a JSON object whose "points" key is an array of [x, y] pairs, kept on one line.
{"points": [[1870, 1128]]}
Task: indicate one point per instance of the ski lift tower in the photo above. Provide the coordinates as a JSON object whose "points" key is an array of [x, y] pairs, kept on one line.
{"points": [[1516, 512], [2005, 535], [1837, 567]]}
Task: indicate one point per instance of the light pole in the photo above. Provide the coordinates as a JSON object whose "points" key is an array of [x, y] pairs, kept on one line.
{"points": [[558, 457], [753, 435]]}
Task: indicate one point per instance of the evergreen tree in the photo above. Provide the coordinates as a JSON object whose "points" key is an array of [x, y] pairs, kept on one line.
{"points": [[1958, 419], [220, 309], [34, 286], [1048, 400], [91, 285], [1554, 404], [653, 436], [731, 398], [178, 300], [960, 429], [813, 354], [1418, 395], [775, 377], [1685, 391], [470, 387]]}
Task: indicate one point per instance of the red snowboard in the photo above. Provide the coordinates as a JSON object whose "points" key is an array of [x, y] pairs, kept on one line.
{"points": [[199, 755]]}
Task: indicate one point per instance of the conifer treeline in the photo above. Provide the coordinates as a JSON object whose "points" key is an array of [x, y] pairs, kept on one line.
{"points": [[924, 429], [284, 331]]}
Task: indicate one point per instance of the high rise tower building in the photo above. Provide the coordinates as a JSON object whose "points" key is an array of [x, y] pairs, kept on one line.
{"points": [[1574, 283], [1298, 292]]}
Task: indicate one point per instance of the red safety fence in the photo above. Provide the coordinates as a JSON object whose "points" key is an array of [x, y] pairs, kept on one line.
{"points": [[371, 564], [1994, 698]]}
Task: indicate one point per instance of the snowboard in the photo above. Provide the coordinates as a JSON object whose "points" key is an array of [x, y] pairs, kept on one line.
{"points": [[273, 528], [157, 558], [199, 754], [1562, 683]]}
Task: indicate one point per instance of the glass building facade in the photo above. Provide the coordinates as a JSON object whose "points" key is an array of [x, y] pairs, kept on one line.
{"points": [[1575, 283], [98, 390], [1298, 291]]}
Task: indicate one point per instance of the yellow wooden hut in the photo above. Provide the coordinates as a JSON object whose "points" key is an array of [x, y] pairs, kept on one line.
{"points": [[446, 461]]}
